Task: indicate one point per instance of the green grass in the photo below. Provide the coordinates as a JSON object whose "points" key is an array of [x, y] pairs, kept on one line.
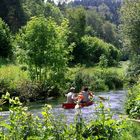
{"points": [[121, 69], [12, 75], [12, 72], [132, 132]]}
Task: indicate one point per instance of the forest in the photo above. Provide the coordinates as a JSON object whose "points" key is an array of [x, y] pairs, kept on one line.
{"points": [[48, 46]]}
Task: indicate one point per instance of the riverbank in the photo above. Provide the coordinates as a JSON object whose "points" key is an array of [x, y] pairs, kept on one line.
{"points": [[98, 115], [15, 80]]}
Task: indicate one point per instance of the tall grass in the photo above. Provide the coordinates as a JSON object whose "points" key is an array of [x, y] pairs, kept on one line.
{"points": [[100, 79], [10, 77], [15, 77]]}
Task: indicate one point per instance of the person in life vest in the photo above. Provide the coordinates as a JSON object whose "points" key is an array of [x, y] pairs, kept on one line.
{"points": [[80, 97], [87, 95]]}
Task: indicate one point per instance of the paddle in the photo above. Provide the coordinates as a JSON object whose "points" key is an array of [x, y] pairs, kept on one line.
{"points": [[102, 98]]}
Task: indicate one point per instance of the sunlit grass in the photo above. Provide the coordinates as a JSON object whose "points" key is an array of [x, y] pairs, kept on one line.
{"points": [[12, 72], [121, 69], [12, 75], [132, 132]]}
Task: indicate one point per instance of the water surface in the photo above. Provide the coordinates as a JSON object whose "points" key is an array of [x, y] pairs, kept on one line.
{"points": [[116, 103]]}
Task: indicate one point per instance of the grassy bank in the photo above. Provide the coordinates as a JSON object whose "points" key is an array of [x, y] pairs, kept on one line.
{"points": [[15, 79], [99, 78]]}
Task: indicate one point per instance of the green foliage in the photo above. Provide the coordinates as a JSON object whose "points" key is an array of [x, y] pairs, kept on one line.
{"points": [[103, 61], [108, 9], [5, 40], [12, 13], [93, 48], [133, 102], [104, 126], [130, 15], [132, 131], [133, 70], [10, 78], [53, 11], [95, 22], [24, 125], [77, 22], [42, 46], [101, 79], [110, 34], [32, 8]]}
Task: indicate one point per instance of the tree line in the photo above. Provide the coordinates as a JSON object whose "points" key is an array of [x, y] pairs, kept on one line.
{"points": [[48, 37]]}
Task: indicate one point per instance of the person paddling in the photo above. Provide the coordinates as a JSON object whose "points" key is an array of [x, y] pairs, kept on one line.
{"points": [[86, 94], [71, 95]]}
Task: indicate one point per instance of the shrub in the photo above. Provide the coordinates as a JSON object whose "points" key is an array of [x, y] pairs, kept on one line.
{"points": [[24, 125], [10, 77], [103, 61], [100, 80], [133, 102], [94, 49], [104, 127]]}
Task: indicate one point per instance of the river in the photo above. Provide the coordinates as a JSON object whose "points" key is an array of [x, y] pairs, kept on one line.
{"points": [[116, 103]]}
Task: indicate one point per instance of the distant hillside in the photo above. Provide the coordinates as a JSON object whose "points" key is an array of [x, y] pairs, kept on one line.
{"points": [[105, 6]]}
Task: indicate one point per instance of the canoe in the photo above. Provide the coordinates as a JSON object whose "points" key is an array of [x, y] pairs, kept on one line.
{"points": [[72, 105]]}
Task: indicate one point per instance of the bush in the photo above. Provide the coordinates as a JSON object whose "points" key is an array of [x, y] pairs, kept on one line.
{"points": [[103, 61], [133, 71], [94, 49], [104, 127], [100, 80], [24, 125], [133, 102], [10, 77]]}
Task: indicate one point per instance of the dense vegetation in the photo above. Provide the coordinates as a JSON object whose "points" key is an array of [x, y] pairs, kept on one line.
{"points": [[46, 48], [53, 39], [130, 27], [24, 125]]}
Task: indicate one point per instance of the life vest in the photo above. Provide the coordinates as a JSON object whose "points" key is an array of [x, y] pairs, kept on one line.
{"points": [[80, 97]]}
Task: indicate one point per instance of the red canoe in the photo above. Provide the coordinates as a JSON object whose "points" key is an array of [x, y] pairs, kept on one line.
{"points": [[72, 105]]}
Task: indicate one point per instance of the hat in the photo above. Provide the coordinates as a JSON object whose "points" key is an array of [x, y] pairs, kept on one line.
{"points": [[72, 88]]}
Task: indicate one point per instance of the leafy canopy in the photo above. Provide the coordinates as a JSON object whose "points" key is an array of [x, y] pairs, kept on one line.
{"points": [[5, 40], [43, 45]]}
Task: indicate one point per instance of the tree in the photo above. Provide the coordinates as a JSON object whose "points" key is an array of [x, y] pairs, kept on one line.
{"points": [[104, 11], [33, 8], [130, 24], [130, 16], [42, 44], [5, 40], [95, 21], [53, 11], [109, 7], [12, 13], [77, 22], [94, 48], [110, 34]]}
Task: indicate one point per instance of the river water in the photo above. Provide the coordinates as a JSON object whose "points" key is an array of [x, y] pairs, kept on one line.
{"points": [[115, 100]]}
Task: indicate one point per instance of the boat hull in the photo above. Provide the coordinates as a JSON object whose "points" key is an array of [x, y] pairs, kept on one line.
{"points": [[72, 105]]}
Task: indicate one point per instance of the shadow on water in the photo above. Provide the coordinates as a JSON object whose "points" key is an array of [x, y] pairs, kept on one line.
{"points": [[116, 101]]}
